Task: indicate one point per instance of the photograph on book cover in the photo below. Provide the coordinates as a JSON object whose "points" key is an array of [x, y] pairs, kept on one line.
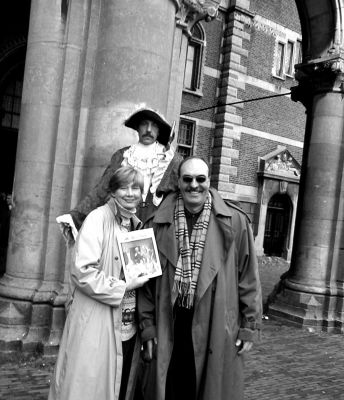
{"points": [[139, 253]]}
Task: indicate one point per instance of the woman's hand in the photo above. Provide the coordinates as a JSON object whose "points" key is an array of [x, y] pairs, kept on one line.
{"points": [[137, 282]]}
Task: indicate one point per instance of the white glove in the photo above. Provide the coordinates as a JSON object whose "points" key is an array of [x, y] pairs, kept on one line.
{"points": [[67, 227]]}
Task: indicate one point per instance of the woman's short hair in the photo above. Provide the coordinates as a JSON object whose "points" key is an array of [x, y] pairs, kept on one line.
{"points": [[124, 176]]}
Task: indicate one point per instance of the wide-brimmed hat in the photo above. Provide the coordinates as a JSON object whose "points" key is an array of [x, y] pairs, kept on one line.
{"points": [[147, 113]]}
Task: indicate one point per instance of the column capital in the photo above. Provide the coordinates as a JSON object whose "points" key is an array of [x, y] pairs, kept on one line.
{"points": [[318, 76], [191, 11]]}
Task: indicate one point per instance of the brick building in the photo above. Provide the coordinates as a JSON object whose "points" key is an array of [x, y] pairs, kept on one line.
{"points": [[248, 54]]}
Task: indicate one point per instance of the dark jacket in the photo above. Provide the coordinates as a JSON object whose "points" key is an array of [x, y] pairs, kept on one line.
{"points": [[99, 194], [228, 302]]}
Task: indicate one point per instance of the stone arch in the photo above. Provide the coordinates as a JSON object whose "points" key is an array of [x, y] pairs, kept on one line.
{"points": [[322, 27], [12, 55], [313, 291], [12, 61]]}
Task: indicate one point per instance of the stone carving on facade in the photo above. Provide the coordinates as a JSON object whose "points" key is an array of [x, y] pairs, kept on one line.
{"points": [[191, 11], [283, 187], [281, 164]]}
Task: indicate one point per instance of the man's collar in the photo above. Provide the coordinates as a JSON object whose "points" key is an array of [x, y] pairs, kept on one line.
{"points": [[220, 207]]}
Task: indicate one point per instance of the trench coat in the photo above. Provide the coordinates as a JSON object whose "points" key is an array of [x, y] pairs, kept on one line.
{"points": [[100, 193], [90, 358], [228, 302]]}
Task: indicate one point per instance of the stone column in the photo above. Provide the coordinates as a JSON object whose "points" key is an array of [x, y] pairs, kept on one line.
{"points": [[312, 293], [294, 193], [33, 175], [89, 64], [134, 68], [86, 67]]}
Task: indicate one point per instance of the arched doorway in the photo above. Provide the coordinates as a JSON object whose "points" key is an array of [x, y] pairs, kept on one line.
{"points": [[277, 225], [14, 25], [10, 100]]}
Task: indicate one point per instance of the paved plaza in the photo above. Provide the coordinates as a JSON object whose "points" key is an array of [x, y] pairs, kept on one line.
{"points": [[288, 363]]}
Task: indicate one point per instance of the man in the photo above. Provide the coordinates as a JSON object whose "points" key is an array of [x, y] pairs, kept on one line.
{"points": [[152, 156], [204, 312], [137, 255]]}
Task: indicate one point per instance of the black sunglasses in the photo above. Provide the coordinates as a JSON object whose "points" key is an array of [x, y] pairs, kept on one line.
{"points": [[189, 179]]}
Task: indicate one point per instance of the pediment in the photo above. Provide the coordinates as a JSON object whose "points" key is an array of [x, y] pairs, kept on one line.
{"points": [[279, 163]]}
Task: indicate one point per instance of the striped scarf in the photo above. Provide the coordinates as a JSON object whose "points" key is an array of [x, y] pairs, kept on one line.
{"points": [[190, 251]]}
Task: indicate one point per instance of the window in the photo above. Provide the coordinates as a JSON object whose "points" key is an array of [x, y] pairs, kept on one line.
{"points": [[185, 137], [10, 103], [289, 65], [288, 54], [193, 63], [280, 59], [298, 52]]}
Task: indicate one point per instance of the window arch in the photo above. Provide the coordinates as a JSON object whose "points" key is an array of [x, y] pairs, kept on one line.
{"points": [[194, 59]]}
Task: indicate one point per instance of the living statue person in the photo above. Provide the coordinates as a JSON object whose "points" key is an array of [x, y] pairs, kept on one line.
{"points": [[99, 349], [199, 318], [152, 156]]}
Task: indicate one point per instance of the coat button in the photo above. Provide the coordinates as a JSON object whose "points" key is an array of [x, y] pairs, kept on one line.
{"points": [[116, 258]]}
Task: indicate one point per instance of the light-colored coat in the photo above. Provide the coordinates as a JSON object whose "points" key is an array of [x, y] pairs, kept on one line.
{"points": [[227, 305], [90, 359]]}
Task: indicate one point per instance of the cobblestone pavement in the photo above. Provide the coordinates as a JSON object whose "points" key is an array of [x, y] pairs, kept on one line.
{"points": [[291, 363], [27, 380], [288, 362]]}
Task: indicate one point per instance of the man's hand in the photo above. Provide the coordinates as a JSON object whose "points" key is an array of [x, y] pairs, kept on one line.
{"points": [[243, 346], [149, 349]]}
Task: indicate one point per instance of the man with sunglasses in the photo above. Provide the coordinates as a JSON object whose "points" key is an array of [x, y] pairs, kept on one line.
{"points": [[152, 156], [203, 314]]}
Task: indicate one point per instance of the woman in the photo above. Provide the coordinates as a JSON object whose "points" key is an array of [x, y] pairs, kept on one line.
{"points": [[99, 349]]}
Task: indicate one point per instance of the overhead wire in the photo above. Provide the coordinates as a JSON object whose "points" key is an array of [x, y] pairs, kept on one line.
{"points": [[236, 102]]}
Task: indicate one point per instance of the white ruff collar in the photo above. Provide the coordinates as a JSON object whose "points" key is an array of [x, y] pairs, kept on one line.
{"points": [[152, 161]]}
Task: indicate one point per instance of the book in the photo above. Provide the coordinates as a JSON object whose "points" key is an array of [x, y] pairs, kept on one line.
{"points": [[139, 254]]}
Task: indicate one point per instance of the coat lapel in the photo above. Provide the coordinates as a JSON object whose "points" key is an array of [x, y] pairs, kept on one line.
{"points": [[218, 242], [166, 241], [165, 235], [167, 244]]}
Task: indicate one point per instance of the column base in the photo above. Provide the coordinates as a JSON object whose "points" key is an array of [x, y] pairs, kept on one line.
{"points": [[30, 325], [321, 312], [30, 328]]}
